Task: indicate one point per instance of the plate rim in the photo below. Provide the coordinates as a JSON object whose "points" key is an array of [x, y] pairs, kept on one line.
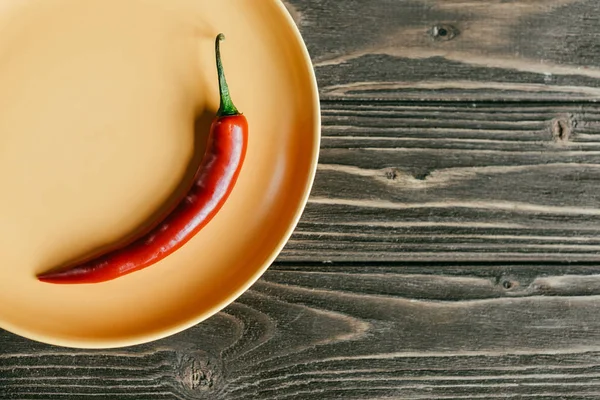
{"points": [[145, 338]]}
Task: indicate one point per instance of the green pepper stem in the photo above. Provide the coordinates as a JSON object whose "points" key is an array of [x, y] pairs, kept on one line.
{"points": [[227, 108]]}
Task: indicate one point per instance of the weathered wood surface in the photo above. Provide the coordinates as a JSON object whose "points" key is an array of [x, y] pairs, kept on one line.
{"points": [[454, 181], [481, 144], [450, 249], [454, 49], [416, 331]]}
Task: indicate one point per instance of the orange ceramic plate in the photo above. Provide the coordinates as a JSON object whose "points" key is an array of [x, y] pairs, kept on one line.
{"points": [[104, 109]]}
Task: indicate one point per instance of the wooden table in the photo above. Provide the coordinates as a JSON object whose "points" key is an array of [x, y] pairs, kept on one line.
{"points": [[450, 249]]}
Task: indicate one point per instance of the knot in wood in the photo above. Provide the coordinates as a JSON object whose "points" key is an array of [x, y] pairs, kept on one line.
{"points": [[508, 283], [198, 372], [562, 129], [391, 174], [443, 32]]}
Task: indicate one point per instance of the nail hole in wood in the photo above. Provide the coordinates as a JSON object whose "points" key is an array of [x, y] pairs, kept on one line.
{"points": [[507, 285], [443, 32]]}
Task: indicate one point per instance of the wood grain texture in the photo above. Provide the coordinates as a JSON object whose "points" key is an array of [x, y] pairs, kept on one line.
{"points": [[352, 331], [450, 248], [454, 181], [490, 50]]}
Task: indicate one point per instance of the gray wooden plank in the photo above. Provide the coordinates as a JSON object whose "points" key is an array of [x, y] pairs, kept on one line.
{"points": [[454, 181], [493, 49], [353, 331]]}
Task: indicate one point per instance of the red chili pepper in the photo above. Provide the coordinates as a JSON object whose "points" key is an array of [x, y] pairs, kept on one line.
{"points": [[214, 181]]}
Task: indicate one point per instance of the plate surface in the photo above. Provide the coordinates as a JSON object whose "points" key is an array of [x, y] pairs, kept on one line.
{"points": [[104, 111]]}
